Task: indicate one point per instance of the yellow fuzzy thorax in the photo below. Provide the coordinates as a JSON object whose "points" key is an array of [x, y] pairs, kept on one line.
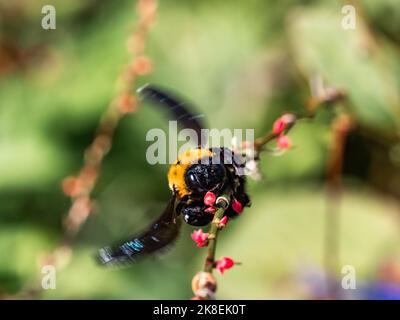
{"points": [[176, 173]]}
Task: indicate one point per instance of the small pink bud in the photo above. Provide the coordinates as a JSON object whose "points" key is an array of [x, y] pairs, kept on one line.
{"points": [[209, 210], [200, 237], [142, 65], [283, 142], [209, 198], [223, 264], [202, 244], [237, 206], [278, 126], [222, 223], [247, 144], [282, 122]]}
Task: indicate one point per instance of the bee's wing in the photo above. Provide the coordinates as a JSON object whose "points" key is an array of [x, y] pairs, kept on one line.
{"points": [[182, 111], [159, 235]]}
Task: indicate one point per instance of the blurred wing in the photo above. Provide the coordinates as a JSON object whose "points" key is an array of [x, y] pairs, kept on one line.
{"points": [[180, 109], [160, 234]]}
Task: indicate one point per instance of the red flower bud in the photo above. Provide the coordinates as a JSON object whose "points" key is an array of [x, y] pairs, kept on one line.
{"points": [[209, 210], [127, 103], [283, 142], [200, 238], [209, 198], [142, 65], [224, 263], [278, 126], [72, 186], [222, 223], [282, 122], [237, 206]]}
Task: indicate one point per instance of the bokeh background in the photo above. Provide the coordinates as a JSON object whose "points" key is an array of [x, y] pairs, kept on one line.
{"points": [[242, 63]]}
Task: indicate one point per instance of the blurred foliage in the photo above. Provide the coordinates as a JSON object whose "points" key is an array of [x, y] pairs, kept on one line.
{"points": [[242, 63]]}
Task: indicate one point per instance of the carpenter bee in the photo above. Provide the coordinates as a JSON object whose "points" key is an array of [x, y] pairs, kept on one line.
{"points": [[196, 172]]}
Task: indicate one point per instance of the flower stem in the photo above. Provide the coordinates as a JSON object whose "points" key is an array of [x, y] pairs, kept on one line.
{"points": [[204, 284], [80, 188], [341, 127], [222, 203], [212, 245]]}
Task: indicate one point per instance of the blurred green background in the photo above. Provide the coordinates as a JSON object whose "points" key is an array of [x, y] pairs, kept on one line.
{"points": [[242, 63]]}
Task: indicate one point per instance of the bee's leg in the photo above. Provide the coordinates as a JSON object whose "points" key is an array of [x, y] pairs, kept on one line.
{"points": [[192, 210], [190, 200], [182, 203]]}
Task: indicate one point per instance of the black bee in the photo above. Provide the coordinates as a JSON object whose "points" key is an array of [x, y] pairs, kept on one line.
{"points": [[195, 172]]}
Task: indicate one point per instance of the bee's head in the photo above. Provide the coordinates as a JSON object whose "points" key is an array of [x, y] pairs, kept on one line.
{"points": [[200, 178]]}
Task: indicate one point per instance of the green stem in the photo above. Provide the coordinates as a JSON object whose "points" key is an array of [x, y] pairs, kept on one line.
{"points": [[212, 244], [222, 204]]}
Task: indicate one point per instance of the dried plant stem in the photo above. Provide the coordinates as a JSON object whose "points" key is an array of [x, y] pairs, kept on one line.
{"points": [[340, 129], [80, 188]]}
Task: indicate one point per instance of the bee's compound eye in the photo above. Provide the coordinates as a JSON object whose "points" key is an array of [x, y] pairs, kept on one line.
{"points": [[205, 177], [195, 216]]}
